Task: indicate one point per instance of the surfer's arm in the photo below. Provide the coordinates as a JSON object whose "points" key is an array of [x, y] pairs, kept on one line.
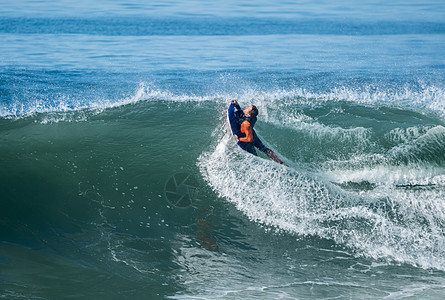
{"points": [[247, 130]]}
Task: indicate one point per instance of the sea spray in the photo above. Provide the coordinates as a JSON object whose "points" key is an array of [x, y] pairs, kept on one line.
{"points": [[384, 220]]}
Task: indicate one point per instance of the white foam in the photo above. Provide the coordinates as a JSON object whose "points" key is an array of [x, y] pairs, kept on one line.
{"points": [[387, 223], [423, 99], [415, 159], [426, 99], [64, 104], [300, 122]]}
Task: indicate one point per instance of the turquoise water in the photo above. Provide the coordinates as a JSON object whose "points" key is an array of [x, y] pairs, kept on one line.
{"points": [[120, 179]]}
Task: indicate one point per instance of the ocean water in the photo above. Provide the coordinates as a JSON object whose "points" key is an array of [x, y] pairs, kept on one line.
{"points": [[119, 178]]}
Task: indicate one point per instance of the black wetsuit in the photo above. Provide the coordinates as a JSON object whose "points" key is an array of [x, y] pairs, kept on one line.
{"points": [[236, 118]]}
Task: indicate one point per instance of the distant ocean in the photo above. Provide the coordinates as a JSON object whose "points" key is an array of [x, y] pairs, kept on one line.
{"points": [[119, 178]]}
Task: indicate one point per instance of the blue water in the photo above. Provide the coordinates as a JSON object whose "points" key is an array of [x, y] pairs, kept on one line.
{"points": [[119, 177]]}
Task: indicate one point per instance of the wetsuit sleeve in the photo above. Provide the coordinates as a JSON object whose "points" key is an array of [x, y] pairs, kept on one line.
{"points": [[247, 130]]}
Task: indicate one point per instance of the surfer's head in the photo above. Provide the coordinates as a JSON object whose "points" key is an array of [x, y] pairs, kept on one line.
{"points": [[251, 111]]}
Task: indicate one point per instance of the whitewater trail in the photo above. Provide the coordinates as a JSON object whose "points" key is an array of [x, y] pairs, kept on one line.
{"points": [[380, 219]]}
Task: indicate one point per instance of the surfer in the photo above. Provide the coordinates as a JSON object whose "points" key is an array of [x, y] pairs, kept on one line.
{"points": [[241, 123]]}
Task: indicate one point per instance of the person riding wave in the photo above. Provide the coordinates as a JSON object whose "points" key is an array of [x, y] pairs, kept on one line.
{"points": [[242, 122]]}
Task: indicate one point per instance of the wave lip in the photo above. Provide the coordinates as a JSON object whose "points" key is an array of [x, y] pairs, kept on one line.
{"points": [[426, 99], [69, 104]]}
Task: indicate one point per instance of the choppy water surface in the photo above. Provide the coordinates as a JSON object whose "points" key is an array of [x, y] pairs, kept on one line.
{"points": [[119, 177]]}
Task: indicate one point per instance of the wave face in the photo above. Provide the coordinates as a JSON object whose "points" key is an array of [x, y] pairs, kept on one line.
{"points": [[364, 180]]}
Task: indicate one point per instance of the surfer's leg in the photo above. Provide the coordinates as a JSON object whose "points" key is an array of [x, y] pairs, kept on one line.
{"points": [[251, 149], [257, 142]]}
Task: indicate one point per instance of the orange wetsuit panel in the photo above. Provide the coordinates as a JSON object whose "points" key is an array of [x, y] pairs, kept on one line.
{"points": [[247, 130]]}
